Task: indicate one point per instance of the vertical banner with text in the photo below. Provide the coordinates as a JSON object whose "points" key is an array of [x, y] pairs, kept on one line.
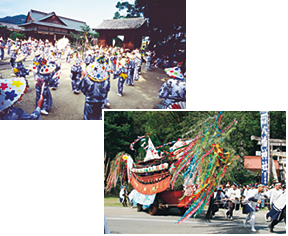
{"points": [[264, 147]]}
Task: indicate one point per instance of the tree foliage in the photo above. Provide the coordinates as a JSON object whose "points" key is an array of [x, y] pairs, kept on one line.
{"points": [[166, 20], [83, 39], [15, 35], [122, 128]]}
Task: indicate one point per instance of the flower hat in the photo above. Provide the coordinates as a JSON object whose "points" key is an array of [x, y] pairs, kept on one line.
{"points": [[20, 57], [13, 48], [124, 62], [132, 56], [38, 52], [175, 73], [77, 61], [97, 72], [10, 91], [47, 69], [52, 58]]}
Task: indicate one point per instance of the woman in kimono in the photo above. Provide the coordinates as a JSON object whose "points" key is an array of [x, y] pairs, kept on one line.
{"points": [[37, 61], [9, 44], [113, 61], [137, 66], [131, 68], [148, 59], [122, 73], [249, 205], [19, 69], [174, 89], [55, 79], [95, 86], [13, 56], [89, 58], [44, 81], [76, 72], [11, 91]]}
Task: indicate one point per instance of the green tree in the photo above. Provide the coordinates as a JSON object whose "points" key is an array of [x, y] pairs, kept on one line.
{"points": [[15, 35], [4, 31], [83, 39], [166, 29]]}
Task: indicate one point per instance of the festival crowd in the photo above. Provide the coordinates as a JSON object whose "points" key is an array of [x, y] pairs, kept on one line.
{"points": [[250, 197], [90, 74]]}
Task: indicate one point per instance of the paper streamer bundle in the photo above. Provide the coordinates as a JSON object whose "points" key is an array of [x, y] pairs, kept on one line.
{"points": [[118, 169], [204, 163]]}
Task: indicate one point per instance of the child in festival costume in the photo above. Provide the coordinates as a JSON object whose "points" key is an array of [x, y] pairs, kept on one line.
{"points": [[55, 79], [11, 91], [43, 82], [9, 44], [89, 58], [122, 73], [68, 53], [37, 61], [76, 72], [13, 55], [137, 66], [95, 86], [131, 68], [47, 47], [2, 46], [24, 48], [109, 69], [35, 45], [148, 59], [173, 90], [113, 60], [19, 69]]}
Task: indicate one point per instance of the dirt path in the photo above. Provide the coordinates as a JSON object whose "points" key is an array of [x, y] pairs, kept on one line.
{"points": [[68, 106]]}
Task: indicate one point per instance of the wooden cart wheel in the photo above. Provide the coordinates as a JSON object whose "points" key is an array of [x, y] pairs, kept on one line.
{"points": [[154, 207], [139, 207], [183, 210]]}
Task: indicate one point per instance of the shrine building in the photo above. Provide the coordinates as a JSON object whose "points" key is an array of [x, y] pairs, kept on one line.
{"points": [[41, 25], [132, 29]]}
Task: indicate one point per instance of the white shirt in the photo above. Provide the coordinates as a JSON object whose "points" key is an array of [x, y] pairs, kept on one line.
{"points": [[280, 203], [268, 193], [232, 194], [253, 193], [222, 195], [246, 191], [275, 194]]}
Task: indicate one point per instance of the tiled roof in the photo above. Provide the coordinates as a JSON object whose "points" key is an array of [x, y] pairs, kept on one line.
{"points": [[124, 23], [254, 162], [38, 16]]}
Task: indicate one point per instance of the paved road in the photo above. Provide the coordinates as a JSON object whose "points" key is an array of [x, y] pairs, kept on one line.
{"points": [[124, 220], [69, 106]]}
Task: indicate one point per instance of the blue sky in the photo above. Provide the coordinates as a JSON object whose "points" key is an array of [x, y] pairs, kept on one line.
{"points": [[90, 11]]}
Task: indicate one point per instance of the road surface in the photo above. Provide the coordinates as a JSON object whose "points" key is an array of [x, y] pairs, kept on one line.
{"points": [[124, 220]]}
